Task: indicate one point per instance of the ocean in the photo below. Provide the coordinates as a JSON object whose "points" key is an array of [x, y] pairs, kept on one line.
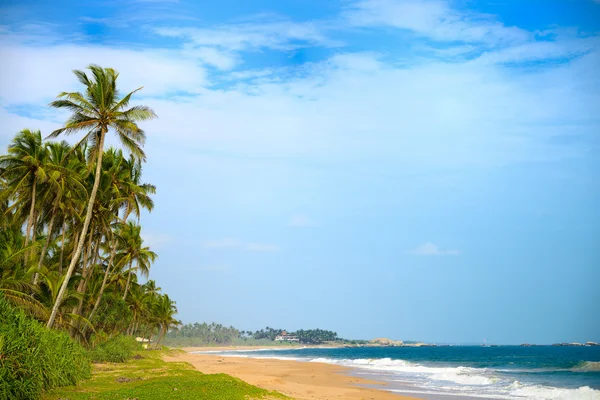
{"points": [[503, 372]]}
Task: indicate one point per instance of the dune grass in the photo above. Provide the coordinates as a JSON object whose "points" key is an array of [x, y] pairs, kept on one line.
{"points": [[148, 377], [34, 359]]}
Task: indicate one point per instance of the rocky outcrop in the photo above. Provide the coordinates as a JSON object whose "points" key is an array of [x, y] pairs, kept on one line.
{"points": [[386, 342]]}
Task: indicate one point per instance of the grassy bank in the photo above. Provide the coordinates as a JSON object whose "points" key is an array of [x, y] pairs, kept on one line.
{"points": [[148, 377]]}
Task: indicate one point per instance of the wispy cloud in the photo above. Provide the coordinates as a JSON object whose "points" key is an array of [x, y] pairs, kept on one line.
{"points": [[301, 221], [434, 19], [430, 249], [256, 34], [230, 243], [165, 70]]}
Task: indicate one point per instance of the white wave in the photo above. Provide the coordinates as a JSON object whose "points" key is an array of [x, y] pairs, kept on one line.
{"points": [[550, 393], [464, 376], [463, 381], [460, 375]]}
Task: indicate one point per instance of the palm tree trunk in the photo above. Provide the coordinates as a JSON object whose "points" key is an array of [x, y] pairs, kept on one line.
{"points": [[84, 268], [62, 247], [31, 210], [128, 282], [106, 275], [160, 337], [86, 224], [86, 277], [49, 236]]}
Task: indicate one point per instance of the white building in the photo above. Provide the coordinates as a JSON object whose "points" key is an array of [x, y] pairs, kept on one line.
{"points": [[284, 337]]}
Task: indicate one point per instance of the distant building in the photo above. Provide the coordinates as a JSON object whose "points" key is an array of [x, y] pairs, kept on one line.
{"points": [[284, 337], [145, 342]]}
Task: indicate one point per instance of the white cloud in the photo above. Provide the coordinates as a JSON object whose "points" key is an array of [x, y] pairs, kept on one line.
{"points": [[161, 71], [433, 19], [230, 243], [256, 34], [362, 108], [352, 107], [301, 221], [430, 249]]}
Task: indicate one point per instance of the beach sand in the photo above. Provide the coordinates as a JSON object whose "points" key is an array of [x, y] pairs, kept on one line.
{"points": [[299, 380]]}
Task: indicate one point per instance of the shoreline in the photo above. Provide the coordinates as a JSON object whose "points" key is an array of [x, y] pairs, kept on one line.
{"points": [[299, 380], [211, 349]]}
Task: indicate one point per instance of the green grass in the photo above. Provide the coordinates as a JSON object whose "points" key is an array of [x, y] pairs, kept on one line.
{"points": [[151, 378]]}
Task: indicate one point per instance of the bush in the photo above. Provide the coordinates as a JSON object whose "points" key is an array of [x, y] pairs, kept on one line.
{"points": [[113, 315], [117, 349], [33, 358]]}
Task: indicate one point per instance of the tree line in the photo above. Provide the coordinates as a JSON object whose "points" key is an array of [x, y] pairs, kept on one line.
{"points": [[214, 333], [71, 245]]}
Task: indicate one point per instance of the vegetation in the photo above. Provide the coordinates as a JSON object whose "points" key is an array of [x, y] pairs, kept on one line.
{"points": [[71, 245], [117, 350], [148, 377], [33, 358], [216, 334]]}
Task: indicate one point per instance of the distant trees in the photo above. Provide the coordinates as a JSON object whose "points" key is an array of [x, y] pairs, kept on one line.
{"points": [[217, 334], [267, 333], [315, 336], [207, 334]]}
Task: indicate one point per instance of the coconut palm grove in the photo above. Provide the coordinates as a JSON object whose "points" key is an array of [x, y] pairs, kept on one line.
{"points": [[71, 245], [74, 268]]}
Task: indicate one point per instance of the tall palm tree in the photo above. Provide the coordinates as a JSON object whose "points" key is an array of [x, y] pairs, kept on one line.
{"points": [[133, 250], [23, 168], [64, 185], [97, 111]]}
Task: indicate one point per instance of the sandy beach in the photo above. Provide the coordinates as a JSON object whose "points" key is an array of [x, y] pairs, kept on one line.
{"points": [[299, 380]]}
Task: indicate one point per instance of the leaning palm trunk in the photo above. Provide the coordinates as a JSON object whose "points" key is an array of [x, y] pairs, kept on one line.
{"points": [[86, 224], [85, 280], [43, 254], [85, 267], [106, 275], [128, 282], [161, 335]]}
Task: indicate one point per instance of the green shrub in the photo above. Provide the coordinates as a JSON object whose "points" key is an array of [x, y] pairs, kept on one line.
{"points": [[117, 349], [113, 315], [33, 358]]}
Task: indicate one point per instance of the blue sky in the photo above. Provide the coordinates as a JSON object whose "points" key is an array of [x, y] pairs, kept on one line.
{"points": [[420, 170]]}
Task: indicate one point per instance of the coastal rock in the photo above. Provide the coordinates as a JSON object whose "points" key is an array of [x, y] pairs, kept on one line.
{"points": [[386, 342]]}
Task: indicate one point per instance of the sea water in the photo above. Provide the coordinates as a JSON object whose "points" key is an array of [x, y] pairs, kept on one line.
{"points": [[503, 372]]}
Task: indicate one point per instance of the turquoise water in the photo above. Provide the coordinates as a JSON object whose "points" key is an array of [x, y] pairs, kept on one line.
{"points": [[504, 372]]}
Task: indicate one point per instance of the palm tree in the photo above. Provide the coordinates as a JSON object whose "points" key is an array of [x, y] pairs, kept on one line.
{"points": [[64, 185], [96, 112], [24, 168], [163, 312], [136, 194], [132, 250]]}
